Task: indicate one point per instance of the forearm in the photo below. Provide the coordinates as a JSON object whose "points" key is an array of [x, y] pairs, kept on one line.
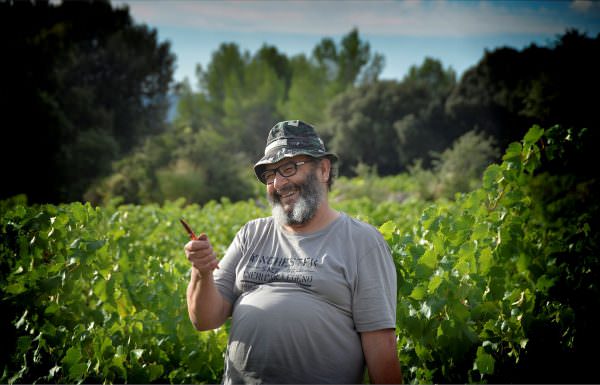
{"points": [[381, 356], [386, 371], [206, 307]]}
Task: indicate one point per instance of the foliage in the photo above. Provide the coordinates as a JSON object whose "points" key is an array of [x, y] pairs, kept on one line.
{"points": [[348, 63], [509, 90], [456, 170], [252, 102], [495, 286], [219, 131], [198, 166], [83, 86], [485, 289], [244, 94], [98, 295], [86, 88], [309, 91], [377, 189], [360, 126], [390, 124]]}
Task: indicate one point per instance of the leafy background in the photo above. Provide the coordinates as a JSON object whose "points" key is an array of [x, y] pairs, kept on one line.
{"points": [[492, 286], [484, 187]]}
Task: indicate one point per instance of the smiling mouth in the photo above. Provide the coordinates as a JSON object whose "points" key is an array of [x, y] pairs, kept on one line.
{"points": [[286, 194]]}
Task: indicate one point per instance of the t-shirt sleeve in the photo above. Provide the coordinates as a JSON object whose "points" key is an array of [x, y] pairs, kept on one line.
{"points": [[375, 295], [225, 275]]}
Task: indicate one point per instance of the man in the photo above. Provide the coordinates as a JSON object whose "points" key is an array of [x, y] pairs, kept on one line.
{"points": [[310, 291]]}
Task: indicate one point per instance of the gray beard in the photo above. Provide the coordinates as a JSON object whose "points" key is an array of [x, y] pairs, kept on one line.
{"points": [[304, 209]]}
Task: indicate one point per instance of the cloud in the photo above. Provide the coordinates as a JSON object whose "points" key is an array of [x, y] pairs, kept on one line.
{"points": [[378, 17], [584, 6]]}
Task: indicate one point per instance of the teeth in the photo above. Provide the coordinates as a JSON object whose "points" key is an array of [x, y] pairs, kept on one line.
{"points": [[285, 195]]}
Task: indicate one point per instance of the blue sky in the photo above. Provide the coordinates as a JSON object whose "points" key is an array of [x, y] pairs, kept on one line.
{"points": [[405, 32]]}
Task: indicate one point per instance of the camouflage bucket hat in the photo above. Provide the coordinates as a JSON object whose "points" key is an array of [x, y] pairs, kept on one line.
{"points": [[290, 138]]}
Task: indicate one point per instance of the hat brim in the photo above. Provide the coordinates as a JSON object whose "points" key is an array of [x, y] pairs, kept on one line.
{"points": [[260, 166]]}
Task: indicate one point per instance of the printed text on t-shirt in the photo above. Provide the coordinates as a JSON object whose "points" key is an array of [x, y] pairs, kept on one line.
{"points": [[264, 269]]}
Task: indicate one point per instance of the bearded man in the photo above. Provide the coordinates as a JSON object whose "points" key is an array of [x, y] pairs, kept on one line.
{"points": [[311, 292]]}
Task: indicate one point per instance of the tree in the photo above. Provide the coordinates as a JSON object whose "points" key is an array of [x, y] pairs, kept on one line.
{"points": [[460, 167], [84, 86], [310, 91], [242, 93], [510, 90], [389, 124], [251, 108], [196, 165], [224, 74], [360, 126], [345, 63], [192, 108], [426, 128], [430, 79]]}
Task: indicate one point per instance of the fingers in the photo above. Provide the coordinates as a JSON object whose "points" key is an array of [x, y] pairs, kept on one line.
{"points": [[201, 254], [203, 262]]}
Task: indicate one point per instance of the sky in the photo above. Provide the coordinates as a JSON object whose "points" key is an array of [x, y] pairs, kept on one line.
{"points": [[405, 32]]}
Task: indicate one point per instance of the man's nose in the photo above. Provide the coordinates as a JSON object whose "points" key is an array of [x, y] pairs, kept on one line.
{"points": [[279, 181]]}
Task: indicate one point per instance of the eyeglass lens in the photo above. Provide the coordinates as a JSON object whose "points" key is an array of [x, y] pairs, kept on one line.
{"points": [[288, 169]]}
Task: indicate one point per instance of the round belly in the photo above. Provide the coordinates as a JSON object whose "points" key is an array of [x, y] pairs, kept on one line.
{"points": [[282, 329]]}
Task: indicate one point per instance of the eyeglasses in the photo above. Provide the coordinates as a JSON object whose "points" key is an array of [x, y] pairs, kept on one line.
{"points": [[285, 170]]}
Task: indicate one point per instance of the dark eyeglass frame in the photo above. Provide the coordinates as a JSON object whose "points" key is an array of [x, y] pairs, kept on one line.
{"points": [[293, 169]]}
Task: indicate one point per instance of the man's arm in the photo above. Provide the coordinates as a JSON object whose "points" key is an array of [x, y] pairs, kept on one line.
{"points": [[206, 307], [381, 355]]}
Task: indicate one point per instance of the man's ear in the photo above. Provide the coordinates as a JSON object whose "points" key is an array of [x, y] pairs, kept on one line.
{"points": [[325, 167]]}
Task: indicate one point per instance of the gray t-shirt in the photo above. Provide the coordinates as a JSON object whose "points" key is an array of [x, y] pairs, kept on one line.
{"points": [[300, 301]]}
